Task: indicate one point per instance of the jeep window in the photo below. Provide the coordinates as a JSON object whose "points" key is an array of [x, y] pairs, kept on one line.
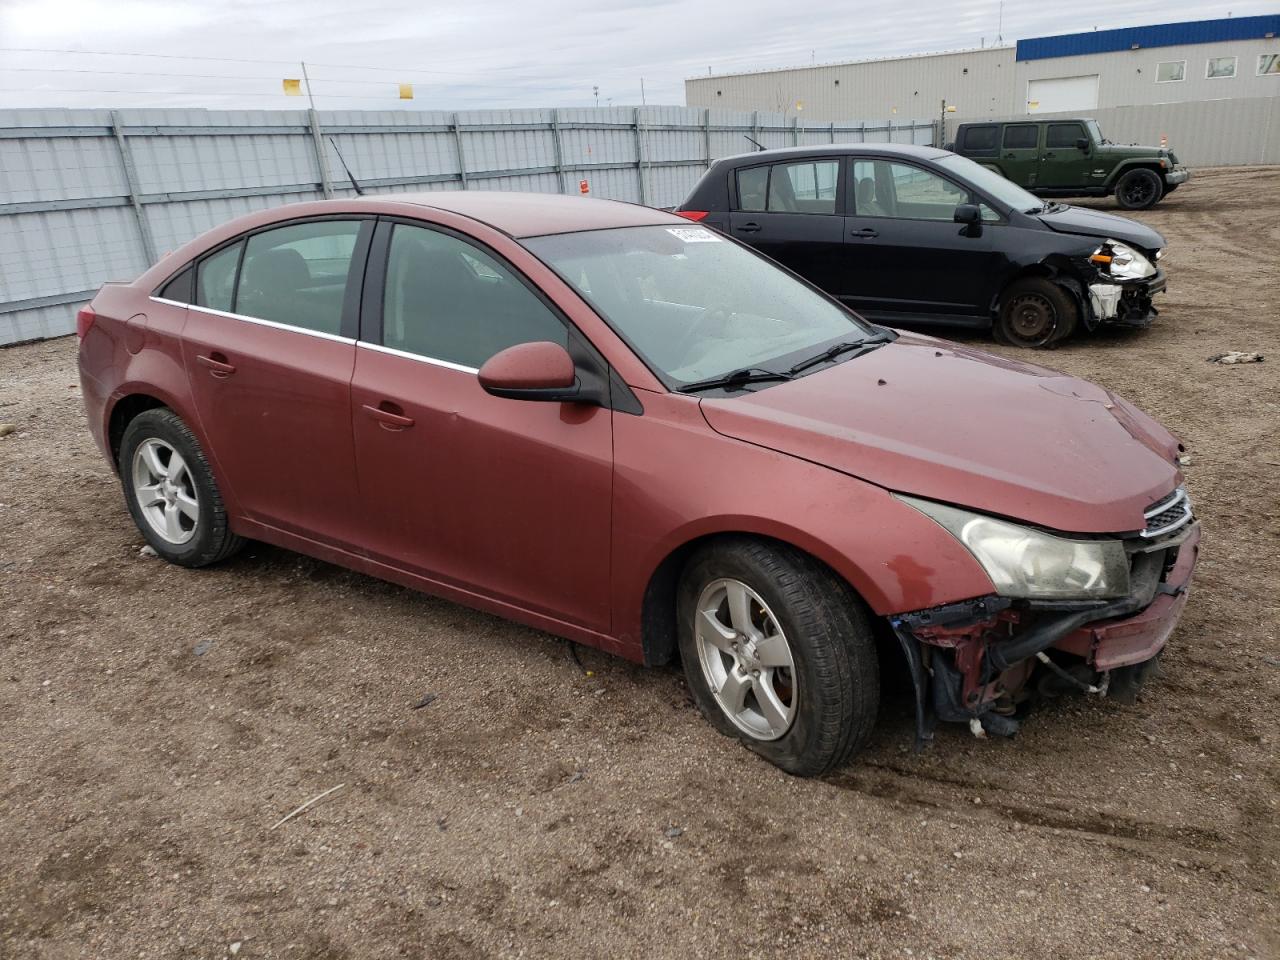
{"points": [[1220, 68], [806, 187], [1269, 65], [992, 184], [981, 140], [1171, 71], [753, 183], [1019, 136], [1095, 131], [1063, 135]]}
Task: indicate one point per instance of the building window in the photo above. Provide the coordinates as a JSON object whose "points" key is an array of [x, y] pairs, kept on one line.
{"points": [[1269, 65], [1171, 71], [1220, 68]]}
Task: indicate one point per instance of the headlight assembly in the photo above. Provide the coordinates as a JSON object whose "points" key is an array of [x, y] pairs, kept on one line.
{"points": [[1029, 564], [1121, 261]]}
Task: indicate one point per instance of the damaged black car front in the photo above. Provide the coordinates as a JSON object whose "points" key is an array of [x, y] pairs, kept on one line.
{"points": [[1121, 282]]}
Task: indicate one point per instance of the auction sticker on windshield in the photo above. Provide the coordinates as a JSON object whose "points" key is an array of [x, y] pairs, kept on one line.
{"points": [[693, 235]]}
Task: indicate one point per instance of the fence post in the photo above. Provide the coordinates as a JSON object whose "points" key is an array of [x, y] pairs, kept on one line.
{"points": [[131, 178], [313, 123], [755, 126], [555, 138], [457, 142], [833, 131], [644, 198], [795, 131], [706, 134]]}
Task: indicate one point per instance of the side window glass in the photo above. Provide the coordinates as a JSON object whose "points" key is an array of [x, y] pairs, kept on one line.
{"points": [[179, 288], [297, 275], [805, 187], [1063, 134], [869, 180], [752, 184], [448, 300], [1020, 136], [921, 195], [216, 279], [981, 140]]}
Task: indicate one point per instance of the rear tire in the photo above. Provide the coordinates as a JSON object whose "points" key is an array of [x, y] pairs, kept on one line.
{"points": [[1139, 189], [170, 491], [778, 654], [1036, 313]]}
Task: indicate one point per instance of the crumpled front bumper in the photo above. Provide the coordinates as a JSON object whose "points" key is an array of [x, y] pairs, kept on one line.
{"points": [[1124, 641], [1127, 302]]}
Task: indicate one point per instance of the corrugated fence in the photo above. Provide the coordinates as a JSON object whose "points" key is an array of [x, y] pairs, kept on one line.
{"points": [[94, 195]]}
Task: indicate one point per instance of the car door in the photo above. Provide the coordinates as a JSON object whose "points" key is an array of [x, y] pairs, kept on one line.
{"points": [[1020, 153], [509, 499], [791, 212], [1064, 165], [904, 252], [269, 347]]}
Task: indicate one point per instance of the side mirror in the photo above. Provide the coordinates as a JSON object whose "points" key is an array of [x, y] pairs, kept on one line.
{"points": [[1083, 145], [531, 371], [968, 214]]}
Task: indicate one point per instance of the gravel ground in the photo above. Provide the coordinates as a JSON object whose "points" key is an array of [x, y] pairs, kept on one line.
{"points": [[157, 722]]}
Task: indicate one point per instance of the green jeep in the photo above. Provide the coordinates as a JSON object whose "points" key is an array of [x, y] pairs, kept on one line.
{"points": [[1071, 158]]}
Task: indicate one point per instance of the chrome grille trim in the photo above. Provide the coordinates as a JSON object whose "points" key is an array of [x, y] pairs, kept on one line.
{"points": [[1167, 515]]}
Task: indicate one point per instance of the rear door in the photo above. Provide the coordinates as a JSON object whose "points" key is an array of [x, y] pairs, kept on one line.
{"points": [[791, 212], [1020, 153], [904, 252], [1062, 163], [269, 348]]}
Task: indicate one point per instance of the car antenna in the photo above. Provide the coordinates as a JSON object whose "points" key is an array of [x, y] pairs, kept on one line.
{"points": [[359, 191], [758, 144]]}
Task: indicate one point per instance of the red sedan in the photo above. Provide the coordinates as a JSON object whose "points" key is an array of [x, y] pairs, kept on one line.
{"points": [[611, 424]]}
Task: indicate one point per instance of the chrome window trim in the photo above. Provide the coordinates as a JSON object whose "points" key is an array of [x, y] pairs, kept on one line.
{"points": [[258, 320], [447, 364]]}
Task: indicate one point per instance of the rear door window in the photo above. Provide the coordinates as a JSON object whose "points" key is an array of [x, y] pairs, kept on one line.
{"points": [[216, 278], [297, 275], [1020, 136], [753, 187], [805, 187]]}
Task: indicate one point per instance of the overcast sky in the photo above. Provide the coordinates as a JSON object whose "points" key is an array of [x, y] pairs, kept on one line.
{"points": [[474, 54]]}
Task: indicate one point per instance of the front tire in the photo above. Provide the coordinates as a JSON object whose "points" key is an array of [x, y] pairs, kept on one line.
{"points": [[778, 654], [1139, 189], [1036, 313], [171, 493]]}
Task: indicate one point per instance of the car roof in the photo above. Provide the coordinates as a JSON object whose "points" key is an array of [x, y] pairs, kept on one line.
{"points": [[536, 214], [838, 150]]}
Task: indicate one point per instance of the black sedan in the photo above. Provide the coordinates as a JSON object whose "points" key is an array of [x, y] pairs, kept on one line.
{"points": [[908, 234]]}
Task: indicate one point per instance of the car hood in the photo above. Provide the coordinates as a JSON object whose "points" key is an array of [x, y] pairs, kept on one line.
{"points": [[1096, 223], [941, 421]]}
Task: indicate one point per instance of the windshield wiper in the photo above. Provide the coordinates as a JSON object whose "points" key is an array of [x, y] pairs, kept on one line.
{"points": [[736, 378], [833, 351]]}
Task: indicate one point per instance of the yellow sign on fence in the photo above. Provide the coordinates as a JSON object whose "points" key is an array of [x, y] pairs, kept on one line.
{"points": [[293, 88]]}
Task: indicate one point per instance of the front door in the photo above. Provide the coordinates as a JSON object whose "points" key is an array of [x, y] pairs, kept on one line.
{"points": [[904, 252], [508, 499], [1062, 163], [790, 212], [269, 360]]}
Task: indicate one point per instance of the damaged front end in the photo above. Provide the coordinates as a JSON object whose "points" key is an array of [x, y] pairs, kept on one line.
{"points": [[982, 661], [1121, 283]]}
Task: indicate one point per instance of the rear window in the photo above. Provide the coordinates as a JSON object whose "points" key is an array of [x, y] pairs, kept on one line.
{"points": [[980, 140], [1021, 136]]}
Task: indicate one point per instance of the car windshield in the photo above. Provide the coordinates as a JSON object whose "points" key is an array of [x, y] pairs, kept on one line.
{"points": [[991, 183], [1095, 131], [696, 306]]}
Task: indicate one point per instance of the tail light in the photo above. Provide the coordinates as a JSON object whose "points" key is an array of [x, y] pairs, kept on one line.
{"points": [[694, 215], [84, 320]]}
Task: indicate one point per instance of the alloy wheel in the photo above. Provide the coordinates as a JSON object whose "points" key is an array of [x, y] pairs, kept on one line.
{"points": [[746, 659], [1138, 193], [165, 491]]}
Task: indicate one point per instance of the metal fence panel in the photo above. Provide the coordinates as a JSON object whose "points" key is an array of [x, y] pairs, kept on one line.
{"points": [[94, 195]]}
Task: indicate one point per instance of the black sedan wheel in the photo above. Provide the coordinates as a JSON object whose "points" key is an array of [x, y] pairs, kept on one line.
{"points": [[1139, 189], [1036, 313]]}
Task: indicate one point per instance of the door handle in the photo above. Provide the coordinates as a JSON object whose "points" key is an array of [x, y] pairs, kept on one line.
{"points": [[1049, 156], [865, 232], [1010, 156], [749, 228], [217, 364], [388, 415]]}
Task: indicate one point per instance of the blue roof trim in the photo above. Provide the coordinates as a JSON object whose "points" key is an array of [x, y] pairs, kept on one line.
{"points": [[1157, 35]]}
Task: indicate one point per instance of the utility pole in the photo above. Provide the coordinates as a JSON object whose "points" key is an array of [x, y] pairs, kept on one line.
{"points": [[595, 92], [643, 102], [326, 186]]}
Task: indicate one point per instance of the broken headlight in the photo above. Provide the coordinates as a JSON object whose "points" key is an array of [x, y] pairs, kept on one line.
{"points": [[1030, 564], [1121, 261]]}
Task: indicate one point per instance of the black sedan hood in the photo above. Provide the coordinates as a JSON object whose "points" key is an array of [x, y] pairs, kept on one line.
{"points": [[1095, 223]]}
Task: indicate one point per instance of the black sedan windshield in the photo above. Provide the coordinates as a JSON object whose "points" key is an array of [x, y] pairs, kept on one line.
{"points": [[693, 305]]}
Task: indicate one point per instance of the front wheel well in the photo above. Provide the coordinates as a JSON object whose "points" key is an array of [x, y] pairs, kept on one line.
{"points": [[122, 414], [658, 625]]}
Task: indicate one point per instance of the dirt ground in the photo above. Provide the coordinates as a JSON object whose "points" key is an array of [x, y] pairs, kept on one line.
{"points": [[156, 722]]}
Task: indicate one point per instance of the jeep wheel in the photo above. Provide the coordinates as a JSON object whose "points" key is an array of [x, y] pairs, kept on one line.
{"points": [[1036, 313], [1139, 189]]}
